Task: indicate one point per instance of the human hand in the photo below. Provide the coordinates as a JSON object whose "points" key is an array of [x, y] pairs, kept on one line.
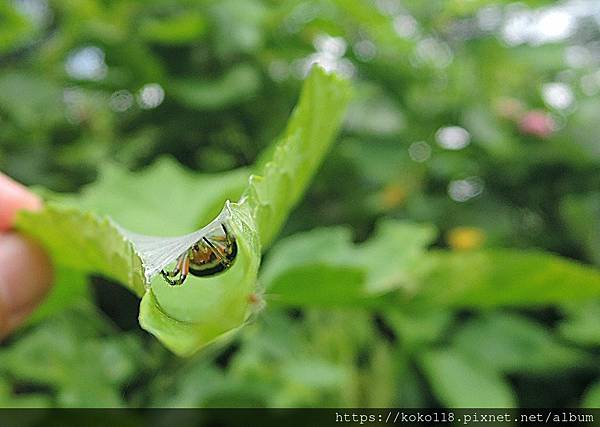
{"points": [[25, 270]]}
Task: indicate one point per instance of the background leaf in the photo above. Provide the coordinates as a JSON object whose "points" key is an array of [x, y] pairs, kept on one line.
{"points": [[459, 383], [57, 355], [302, 268], [512, 344], [581, 323], [505, 277], [238, 85], [582, 215], [592, 397]]}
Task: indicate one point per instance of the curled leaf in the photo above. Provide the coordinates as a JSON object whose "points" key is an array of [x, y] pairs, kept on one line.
{"points": [[165, 200]]}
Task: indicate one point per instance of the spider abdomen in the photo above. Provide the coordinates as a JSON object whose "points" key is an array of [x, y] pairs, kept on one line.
{"points": [[207, 263]]}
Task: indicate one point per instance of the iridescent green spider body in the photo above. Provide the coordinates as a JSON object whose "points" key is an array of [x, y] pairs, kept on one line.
{"points": [[212, 254]]}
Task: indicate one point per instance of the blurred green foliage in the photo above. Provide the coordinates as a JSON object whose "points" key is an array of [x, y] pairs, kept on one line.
{"points": [[463, 121]]}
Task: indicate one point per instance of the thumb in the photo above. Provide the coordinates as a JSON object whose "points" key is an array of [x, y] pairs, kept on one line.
{"points": [[25, 271], [25, 277]]}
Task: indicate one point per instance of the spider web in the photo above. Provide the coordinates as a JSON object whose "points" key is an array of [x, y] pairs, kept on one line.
{"points": [[157, 253]]}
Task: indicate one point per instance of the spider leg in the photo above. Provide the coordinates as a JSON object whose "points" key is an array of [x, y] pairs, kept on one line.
{"points": [[185, 270], [168, 274], [220, 255], [228, 238]]}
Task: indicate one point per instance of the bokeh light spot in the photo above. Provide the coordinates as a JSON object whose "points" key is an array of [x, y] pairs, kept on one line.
{"points": [[419, 151], [365, 50], [453, 137], [121, 101], [465, 189], [405, 26], [558, 95], [86, 63], [150, 96]]}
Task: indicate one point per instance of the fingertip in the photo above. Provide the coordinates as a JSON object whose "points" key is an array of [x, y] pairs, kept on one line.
{"points": [[25, 278], [14, 197]]}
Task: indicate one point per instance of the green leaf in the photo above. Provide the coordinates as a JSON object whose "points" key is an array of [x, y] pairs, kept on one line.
{"points": [[238, 85], [181, 389], [281, 363], [186, 318], [82, 241], [174, 30], [66, 230], [297, 156], [31, 101], [58, 353], [515, 344], [417, 328], [16, 29], [311, 363], [8, 399], [581, 214], [166, 200], [319, 285], [581, 324], [591, 399], [222, 303], [324, 267], [238, 27], [504, 277], [301, 270], [373, 114], [70, 288], [459, 383], [310, 269]]}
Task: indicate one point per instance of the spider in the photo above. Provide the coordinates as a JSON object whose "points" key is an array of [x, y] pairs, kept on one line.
{"points": [[210, 255]]}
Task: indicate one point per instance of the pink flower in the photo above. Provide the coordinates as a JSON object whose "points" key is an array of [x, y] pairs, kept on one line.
{"points": [[537, 123]]}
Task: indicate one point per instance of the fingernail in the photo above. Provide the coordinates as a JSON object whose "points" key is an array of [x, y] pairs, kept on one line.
{"points": [[25, 274]]}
